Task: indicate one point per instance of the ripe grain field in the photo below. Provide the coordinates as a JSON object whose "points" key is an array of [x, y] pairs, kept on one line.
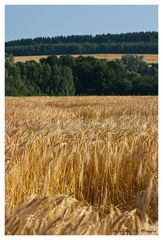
{"points": [[149, 58], [81, 165]]}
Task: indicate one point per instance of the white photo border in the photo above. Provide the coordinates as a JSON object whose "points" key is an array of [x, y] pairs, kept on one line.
{"points": [[2, 107]]}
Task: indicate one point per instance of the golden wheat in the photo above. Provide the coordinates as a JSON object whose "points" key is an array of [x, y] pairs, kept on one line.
{"points": [[148, 58], [47, 216], [101, 149]]}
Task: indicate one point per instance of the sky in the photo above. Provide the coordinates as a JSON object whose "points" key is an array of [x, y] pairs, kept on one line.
{"points": [[29, 21]]}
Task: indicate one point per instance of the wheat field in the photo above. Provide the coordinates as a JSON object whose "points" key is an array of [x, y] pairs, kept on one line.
{"points": [[148, 58], [81, 165]]}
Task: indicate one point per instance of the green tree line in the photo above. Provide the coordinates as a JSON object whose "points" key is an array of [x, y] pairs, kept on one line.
{"points": [[138, 42], [67, 75]]}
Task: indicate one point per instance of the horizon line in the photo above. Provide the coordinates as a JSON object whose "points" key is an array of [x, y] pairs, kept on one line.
{"points": [[93, 35]]}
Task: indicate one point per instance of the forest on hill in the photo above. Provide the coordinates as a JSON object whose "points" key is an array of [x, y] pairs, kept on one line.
{"points": [[68, 76], [129, 43]]}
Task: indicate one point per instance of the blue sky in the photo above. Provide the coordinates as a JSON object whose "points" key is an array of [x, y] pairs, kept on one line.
{"points": [[29, 21]]}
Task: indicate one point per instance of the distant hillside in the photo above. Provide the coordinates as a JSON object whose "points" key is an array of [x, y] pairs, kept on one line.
{"points": [[137, 42]]}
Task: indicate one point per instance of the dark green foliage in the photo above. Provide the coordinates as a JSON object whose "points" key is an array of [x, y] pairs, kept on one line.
{"points": [[138, 42], [14, 86], [99, 38], [135, 63], [66, 83], [66, 75]]}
